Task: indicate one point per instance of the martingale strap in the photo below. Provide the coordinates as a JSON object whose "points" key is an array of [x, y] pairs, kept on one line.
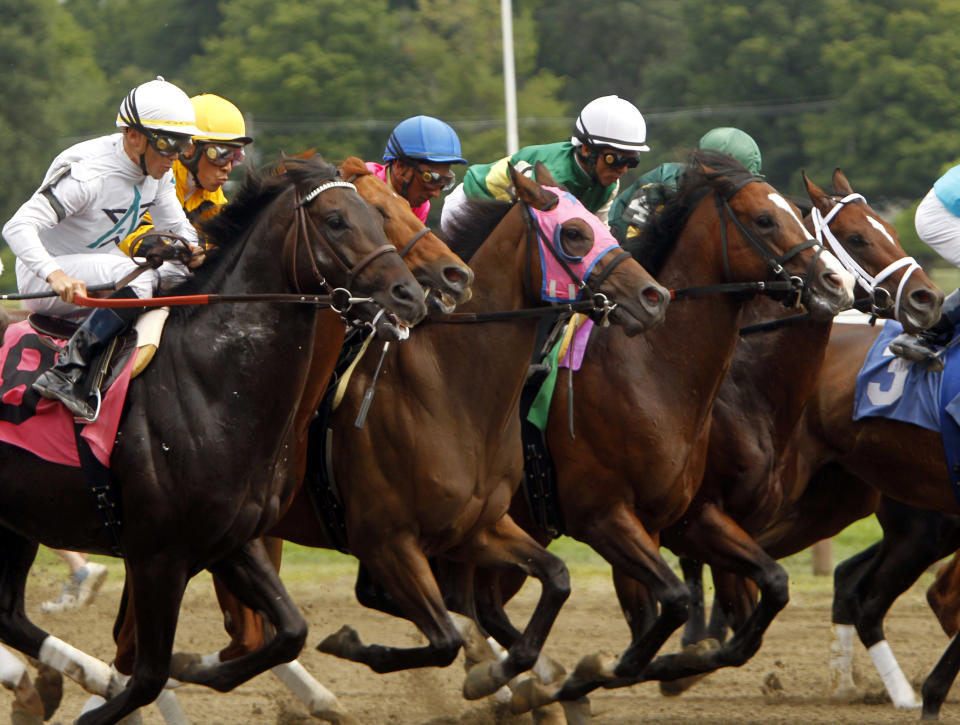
{"points": [[106, 497]]}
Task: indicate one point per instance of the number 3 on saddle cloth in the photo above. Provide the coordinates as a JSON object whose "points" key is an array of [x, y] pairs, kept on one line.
{"points": [[45, 427], [898, 389]]}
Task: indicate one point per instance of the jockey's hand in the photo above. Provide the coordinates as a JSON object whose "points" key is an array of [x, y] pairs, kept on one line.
{"points": [[65, 285], [198, 255]]}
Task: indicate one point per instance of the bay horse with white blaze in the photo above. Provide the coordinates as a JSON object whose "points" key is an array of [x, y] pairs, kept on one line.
{"points": [[202, 478]]}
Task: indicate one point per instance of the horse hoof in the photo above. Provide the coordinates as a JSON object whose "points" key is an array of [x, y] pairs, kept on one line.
{"points": [[22, 717], [577, 712], [549, 670], [597, 666], [341, 643], [552, 714], [49, 685], [483, 679], [530, 695]]}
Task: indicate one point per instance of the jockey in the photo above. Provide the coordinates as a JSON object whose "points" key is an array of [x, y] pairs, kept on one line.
{"points": [[608, 136], [417, 161], [630, 209], [201, 172], [65, 236], [938, 224]]}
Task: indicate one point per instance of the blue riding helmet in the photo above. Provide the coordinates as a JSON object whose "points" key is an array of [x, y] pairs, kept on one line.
{"points": [[424, 138]]}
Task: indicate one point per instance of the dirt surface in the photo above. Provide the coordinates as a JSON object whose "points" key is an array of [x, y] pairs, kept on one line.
{"points": [[786, 682]]}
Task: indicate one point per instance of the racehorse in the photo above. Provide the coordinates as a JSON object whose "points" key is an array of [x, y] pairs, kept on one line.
{"points": [[449, 281], [748, 475], [643, 406], [404, 500], [202, 478]]}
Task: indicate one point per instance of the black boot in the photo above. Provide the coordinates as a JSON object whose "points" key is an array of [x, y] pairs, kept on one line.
{"points": [[924, 348], [64, 381]]}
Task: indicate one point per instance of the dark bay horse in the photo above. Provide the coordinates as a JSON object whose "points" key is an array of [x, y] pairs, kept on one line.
{"points": [[748, 476], [200, 476], [433, 469], [643, 406], [448, 281]]}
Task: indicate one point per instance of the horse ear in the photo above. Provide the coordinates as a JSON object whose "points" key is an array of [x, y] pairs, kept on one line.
{"points": [[543, 176], [530, 191], [353, 166], [818, 196], [840, 183]]}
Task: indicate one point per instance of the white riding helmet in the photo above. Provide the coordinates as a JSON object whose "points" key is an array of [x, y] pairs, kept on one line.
{"points": [[611, 121], [160, 106]]}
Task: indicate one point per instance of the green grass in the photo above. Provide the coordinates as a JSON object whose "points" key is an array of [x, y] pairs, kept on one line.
{"points": [[303, 565]]}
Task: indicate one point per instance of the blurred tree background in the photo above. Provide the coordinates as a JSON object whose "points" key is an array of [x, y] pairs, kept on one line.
{"points": [[866, 85]]}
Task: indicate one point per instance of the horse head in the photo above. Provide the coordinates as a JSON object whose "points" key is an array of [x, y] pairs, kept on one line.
{"points": [[869, 249], [762, 236], [442, 273], [335, 229], [579, 255]]}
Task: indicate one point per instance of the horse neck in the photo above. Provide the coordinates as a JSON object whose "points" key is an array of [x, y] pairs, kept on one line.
{"points": [[487, 357], [775, 372]]}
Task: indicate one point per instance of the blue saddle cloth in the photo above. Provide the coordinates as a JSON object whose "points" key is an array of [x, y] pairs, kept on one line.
{"points": [[891, 387]]}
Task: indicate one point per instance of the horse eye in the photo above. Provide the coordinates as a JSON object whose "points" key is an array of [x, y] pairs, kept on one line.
{"points": [[335, 221], [856, 240], [765, 221]]}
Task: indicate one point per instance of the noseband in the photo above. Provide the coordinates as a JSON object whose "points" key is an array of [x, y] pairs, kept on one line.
{"points": [[821, 226], [302, 229]]}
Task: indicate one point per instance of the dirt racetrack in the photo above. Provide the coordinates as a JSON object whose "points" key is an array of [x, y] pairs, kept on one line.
{"points": [[785, 683]]}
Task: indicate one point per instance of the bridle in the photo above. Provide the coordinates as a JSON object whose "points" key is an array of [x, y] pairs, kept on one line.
{"points": [[602, 307], [301, 232], [776, 262], [821, 226]]}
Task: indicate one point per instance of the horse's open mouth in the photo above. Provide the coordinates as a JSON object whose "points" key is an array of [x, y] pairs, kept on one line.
{"points": [[439, 299], [389, 327]]}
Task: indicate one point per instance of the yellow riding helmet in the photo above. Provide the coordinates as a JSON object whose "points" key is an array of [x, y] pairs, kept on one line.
{"points": [[219, 120]]}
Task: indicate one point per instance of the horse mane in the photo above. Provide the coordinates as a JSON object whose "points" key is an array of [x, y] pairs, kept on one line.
{"points": [[472, 224], [707, 170], [226, 233]]}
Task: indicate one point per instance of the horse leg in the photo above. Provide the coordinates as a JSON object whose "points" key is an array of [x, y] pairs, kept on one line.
{"points": [[942, 596], [16, 629], [400, 566], [719, 541], [695, 628], [621, 539], [938, 682], [27, 705], [250, 575]]}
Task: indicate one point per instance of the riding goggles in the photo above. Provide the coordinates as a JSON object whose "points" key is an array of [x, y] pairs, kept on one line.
{"points": [[167, 144], [223, 155], [434, 179], [617, 161]]}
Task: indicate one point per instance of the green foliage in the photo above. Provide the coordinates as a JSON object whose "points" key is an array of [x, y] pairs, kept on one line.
{"points": [[52, 94]]}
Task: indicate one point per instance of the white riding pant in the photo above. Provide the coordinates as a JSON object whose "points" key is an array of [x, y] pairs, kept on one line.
{"points": [[452, 208], [939, 227], [96, 269]]}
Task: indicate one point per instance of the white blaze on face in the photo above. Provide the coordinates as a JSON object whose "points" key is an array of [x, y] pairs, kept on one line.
{"points": [[785, 205], [829, 261], [882, 229]]}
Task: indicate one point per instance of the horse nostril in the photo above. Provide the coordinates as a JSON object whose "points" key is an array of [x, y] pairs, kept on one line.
{"points": [[457, 277], [832, 278], [922, 298]]}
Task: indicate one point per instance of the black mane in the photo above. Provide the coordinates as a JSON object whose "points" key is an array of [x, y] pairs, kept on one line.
{"points": [[654, 244], [472, 224], [227, 232]]}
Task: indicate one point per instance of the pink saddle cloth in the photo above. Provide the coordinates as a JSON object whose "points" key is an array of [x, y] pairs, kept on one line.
{"points": [[45, 427]]}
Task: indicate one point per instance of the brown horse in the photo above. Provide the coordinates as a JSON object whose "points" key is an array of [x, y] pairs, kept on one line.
{"points": [[448, 281], [201, 479], [643, 406], [748, 474], [405, 500]]}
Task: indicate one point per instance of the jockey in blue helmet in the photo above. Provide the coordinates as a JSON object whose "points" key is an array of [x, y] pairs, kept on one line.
{"points": [[417, 161]]}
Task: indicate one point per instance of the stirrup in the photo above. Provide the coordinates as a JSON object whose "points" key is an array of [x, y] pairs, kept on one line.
{"points": [[911, 347]]}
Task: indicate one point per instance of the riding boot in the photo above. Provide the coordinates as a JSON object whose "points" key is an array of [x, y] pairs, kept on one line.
{"points": [[65, 380], [924, 347]]}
